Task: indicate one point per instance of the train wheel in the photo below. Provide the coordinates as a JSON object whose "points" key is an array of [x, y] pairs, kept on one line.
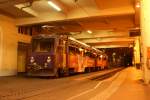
{"points": [[101, 68], [96, 68], [87, 69], [66, 72]]}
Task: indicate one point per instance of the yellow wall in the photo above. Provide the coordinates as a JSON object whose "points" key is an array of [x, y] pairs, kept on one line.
{"points": [[8, 45], [145, 28]]}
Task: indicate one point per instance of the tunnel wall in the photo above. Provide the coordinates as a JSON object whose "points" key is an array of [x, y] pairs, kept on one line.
{"points": [[9, 39]]}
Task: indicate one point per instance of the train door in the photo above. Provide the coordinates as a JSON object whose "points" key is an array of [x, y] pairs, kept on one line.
{"points": [[80, 60], [22, 57], [61, 54]]}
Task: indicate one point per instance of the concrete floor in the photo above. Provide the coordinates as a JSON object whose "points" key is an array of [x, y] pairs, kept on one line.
{"points": [[133, 88], [80, 87]]}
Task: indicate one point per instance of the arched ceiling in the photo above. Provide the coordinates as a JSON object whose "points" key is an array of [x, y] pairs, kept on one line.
{"points": [[109, 20]]}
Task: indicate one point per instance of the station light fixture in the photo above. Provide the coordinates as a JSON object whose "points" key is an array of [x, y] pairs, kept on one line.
{"points": [[89, 31], [47, 26], [94, 53], [101, 56], [54, 6], [80, 49], [85, 51], [138, 5], [130, 46]]}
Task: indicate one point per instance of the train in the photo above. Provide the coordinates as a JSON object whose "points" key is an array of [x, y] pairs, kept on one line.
{"points": [[61, 55]]}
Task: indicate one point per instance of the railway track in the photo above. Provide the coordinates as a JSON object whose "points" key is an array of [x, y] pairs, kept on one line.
{"points": [[106, 75], [28, 92]]}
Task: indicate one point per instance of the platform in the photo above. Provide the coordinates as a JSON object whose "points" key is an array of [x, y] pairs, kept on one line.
{"points": [[127, 86], [124, 85], [132, 88]]}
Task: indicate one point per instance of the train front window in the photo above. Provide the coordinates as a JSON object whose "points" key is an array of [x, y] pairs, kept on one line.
{"points": [[43, 45]]}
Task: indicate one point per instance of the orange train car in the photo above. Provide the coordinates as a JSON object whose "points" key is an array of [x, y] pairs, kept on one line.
{"points": [[57, 55], [102, 61]]}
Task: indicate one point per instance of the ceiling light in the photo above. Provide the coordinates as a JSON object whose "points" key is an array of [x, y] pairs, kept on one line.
{"points": [[90, 32], [44, 26], [80, 49], [138, 5], [101, 56], [47, 26], [54, 6], [130, 46]]}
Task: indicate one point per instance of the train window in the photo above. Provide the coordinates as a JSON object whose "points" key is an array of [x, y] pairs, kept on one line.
{"points": [[61, 41], [72, 49], [89, 54], [43, 45]]}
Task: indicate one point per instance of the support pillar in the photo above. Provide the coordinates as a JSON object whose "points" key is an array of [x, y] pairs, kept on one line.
{"points": [[1, 46], [137, 52], [9, 39], [145, 32]]}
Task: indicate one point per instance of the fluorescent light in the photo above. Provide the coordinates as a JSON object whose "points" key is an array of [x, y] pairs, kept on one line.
{"points": [[54, 6], [90, 32], [47, 26], [44, 26]]}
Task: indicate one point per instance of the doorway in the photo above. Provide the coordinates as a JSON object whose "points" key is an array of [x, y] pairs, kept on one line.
{"points": [[23, 49]]}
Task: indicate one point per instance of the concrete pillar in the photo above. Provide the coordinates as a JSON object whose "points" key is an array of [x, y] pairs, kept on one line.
{"points": [[1, 46], [137, 51], [145, 32], [8, 46]]}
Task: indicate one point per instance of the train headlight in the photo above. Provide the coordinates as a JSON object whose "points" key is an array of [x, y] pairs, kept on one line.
{"points": [[48, 59], [32, 60]]}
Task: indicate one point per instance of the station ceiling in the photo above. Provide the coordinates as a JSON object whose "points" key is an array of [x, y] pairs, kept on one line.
{"points": [[109, 20]]}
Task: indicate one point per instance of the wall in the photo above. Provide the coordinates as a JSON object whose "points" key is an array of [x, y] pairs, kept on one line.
{"points": [[9, 39]]}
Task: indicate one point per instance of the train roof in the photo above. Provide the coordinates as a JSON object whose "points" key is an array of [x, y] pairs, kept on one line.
{"points": [[85, 45], [73, 41]]}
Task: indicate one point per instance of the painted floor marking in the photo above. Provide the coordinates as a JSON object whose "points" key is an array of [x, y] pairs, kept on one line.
{"points": [[85, 92], [112, 88]]}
